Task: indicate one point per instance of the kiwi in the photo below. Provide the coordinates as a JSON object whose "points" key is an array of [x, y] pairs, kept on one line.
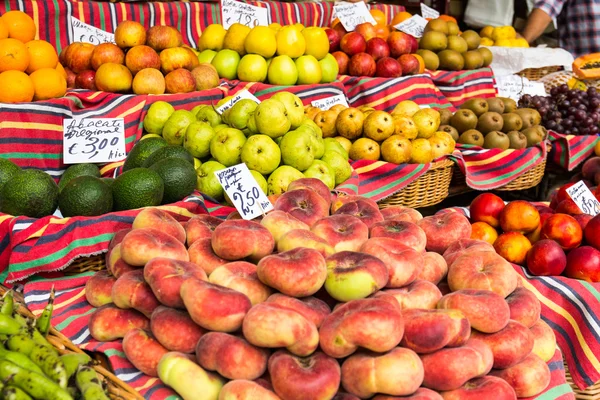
{"points": [[490, 121], [437, 25], [529, 116], [457, 43], [434, 41], [451, 60], [512, 122], [472, 38], [510, 105], [477, 105], [472, 136], [450, 130], [453, 28], [487, 55], [431, 60], [463, 120], [445, 116], [496, 140], [496, 104], [473, 59], [517, 140], [534, 135]]}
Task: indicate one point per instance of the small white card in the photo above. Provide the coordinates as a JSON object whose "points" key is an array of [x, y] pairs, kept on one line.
{"points": [[244, 192], [413, 26], [93, 140], [83, 32], [328, 102], [242, 94], [352, 14], [584, 198], [233, 11], [514, 86], [428, 12]]}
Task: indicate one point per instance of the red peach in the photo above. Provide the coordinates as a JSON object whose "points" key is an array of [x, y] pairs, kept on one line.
{"points": [[280, 222], [408, 233], [202, 254], [98, 289], [311, 308], [363, 210], [304, 238], [241, 276], [444, 229], [201, 226], [524, 306], [426, 331], [131, 291], [143, 351], [342, 232], [434, 268], [416, 295], [165, 277], [403, 263], [235, 240], [510, 345], [304, 204], [109, 322], [546, 258], [564, 229], [529, 378], [141, 245], [486, 208], [485, 310], [519, 216], [401, 213], [175, 330], [482, 388], [156, 218]]}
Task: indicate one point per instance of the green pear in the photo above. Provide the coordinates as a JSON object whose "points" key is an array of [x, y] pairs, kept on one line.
{"points": [[209, 115], [322, 171], [197, 139], [261, 153], [251, 125], [333, 145], [226, 146], [207, 182], [198, 108], [157, 116], [220, 126], [313, 125], [340, 166], [240, 113], [297, 149], [271, 118], [294, 107], [318, 147], [280, 179], [174, 129]]}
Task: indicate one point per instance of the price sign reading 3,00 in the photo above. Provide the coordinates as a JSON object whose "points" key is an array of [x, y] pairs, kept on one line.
{"points": [[93, 140]]}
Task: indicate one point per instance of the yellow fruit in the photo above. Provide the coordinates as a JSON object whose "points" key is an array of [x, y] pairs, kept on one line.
{"points": [[41, 55], [290, 42], [236, 37], [317, 43], [298, 26], [597, 148], [3, 29], [275, 26], [48, 83], [503, 43], [16, 87], [421, 152], [261, 40], [13, 55], [406, 107], [20, 25], [503, 32], [486, 41], [486, 32], [212, 38], [61, 69], [520, 42]]}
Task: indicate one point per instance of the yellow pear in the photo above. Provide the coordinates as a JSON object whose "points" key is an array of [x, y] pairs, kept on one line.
{"points": [[396, 149], [405, 126], [212, 38], [439, 146], [406, 107], [427, 121], [446, 137], [421, 152], [235, 38], [261, 40], [290, 42], [317, 43]]}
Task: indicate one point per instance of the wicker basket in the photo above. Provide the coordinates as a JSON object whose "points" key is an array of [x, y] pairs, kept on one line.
{"points": [[590, 393], [86, 264], [529, 179], [534, 74], [431, 188], [117, 389]]}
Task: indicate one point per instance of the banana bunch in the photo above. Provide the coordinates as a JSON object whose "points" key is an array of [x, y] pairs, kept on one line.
{"points": [[31, 368]]}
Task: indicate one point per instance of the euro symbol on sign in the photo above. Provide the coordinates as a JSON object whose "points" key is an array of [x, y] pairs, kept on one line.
{"points": [[72, 148]]}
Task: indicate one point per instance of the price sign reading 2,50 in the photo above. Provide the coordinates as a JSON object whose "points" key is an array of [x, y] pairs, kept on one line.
{"points": [[249, 201]]}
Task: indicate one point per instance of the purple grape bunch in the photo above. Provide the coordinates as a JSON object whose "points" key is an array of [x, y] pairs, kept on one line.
{"points": [[567, 111]]}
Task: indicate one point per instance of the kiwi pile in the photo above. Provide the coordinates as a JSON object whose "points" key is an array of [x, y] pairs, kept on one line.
{"points": [[494, 123], [444, 47]]}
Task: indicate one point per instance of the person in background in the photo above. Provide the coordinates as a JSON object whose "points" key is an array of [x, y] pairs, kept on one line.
{"points": [[578, 24]]}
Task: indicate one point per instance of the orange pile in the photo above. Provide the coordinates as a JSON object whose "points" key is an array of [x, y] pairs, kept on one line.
{"points": [[29, 68]]}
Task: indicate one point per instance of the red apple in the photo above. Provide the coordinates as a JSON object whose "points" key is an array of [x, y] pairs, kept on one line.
{"points": [[568, 206], [561, 194], [414, 44], [377, 48], [353, 43], [388, 67], [546, 258], [486, 208], [342, 60], [583, 220], [564, 229], [410, 64], [400, 43], [362, 64], [86, 80], [339, 28], [542, 209], [592, 232], [71, 76], [334, 39], [366, 30], [584, 263]]}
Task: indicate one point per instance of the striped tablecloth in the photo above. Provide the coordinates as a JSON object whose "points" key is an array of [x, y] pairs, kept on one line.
{"points": [[569, 151], [460, 86]]}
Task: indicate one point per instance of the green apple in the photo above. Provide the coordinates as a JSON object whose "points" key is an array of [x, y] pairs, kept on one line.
{"points": [[238, 115], [297, 149], [252, 68], [282, 71], [339, 164], [207, 182], [322, 171], [220, 126], [333, 145], [261, 154], [271, 118], [280, 179], [206, 56], [209, 115], [156, 117], [226, 62], [226, 146], [197, 139], [174, 129], [309, 70], [329, 69], [293, 105]]}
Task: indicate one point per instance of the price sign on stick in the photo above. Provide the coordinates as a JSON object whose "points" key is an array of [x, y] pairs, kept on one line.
{"points": [[428, 12], [413, 26], [352, 14], [242, 94], [83, 32], [328, 102], [243, 190], [233, 11], [93, 140], [584, 198], [514, 86]]}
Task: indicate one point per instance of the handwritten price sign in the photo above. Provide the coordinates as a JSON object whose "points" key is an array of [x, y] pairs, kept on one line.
{"points": [[414, 26], [246, 14], [584, 198], [83, 32], [514, 86], [428, 12], [242, 94], [243, 190], [328, 102], [93, 140], [352, 14]]}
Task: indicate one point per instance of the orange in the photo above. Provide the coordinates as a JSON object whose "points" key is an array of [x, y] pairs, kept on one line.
{"points": [[3, 29], [483, 231], [13, 55], [20, 25], [379, 17], [401, 16], [62, 70], [16, 87], [382, 31], [421, 63], [48, 84], [447, 18], [597, 148], [41, 55]]}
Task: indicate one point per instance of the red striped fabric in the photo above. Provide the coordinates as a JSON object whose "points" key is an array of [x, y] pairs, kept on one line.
{"points": [[569, 151], [460, 86]]}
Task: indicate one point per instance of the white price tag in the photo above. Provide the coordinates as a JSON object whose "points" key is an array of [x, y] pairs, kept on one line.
{"points": [[328, 102], [83, 32], [352, 14], [514, 86], [243, 190], [233, 11], [584, 198], [242, 94], [428, 12], [413, 26], [93, 140]]}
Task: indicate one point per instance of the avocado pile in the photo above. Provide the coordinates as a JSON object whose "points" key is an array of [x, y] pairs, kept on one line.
{"points": [[494, 123]]}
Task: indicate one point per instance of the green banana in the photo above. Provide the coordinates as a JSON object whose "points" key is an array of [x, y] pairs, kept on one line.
{"points": [[50, 363], [14, 393], [37, 386], [72, 361], [8, 303]]}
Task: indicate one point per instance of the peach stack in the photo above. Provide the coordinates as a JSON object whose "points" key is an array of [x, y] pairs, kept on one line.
{"points": [[322, 298]]}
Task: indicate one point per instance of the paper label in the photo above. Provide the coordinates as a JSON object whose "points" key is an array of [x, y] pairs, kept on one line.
{"points": [[514, 86], [328, 102], [93, 140], [233, 11], [242, 94], [352, 14], [83, 32], [243, 190], [428, 12], [584, 198], [413, 26]]}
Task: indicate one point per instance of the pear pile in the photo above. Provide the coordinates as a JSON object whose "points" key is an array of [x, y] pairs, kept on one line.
{"points": [[274, 139], [494, 123], [409, 134]]}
